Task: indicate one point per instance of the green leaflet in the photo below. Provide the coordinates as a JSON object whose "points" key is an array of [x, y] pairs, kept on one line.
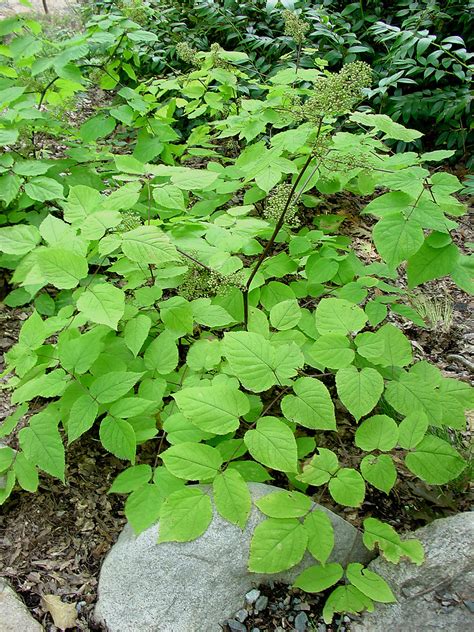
{"points": [[42, 445], [320, 535], [82, 416], [320, 469], [118, 437], [389, 542], [192, 461], [277, 545], [318, 578], [18, 240], [379, 470], [333, 351], [214, 409], [336, 315], [359, 391], [251, 358], [131, 479], [284, 504], [347, 487], [369, 583], [431, 263], [273, 444], [143, 507], [102, 303], [311, 406], [379, 432], [112, 386], [185, 515], [346, 599], [232, 497], [435, 461], [61, 267], [148, 244]]}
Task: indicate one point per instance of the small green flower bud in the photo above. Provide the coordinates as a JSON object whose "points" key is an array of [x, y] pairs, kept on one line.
{"points": [[295, 27]]}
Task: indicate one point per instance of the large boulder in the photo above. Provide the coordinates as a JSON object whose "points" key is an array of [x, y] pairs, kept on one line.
{"points": [[194, 586], [439, 594], [14, 615]]}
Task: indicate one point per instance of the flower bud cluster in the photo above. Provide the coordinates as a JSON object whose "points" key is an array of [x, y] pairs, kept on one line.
{"points": [[200, 282], [276, 205], [130, 220], [335, 93], [186, 53], [217, 60], [295, 27]]}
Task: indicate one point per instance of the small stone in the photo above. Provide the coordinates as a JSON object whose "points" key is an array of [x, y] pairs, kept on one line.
{"points": [[302, 606], [469, 605], [300, 622], [241, 615], [346, 619], [236, 626], [322, 628], [252, 596], [261, 603], [255, 630]]}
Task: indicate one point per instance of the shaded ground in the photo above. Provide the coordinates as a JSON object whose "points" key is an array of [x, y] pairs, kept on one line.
{"points": [[9, 7]]}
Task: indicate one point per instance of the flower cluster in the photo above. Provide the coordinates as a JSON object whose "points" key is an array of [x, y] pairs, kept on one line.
{"points": [[186, 53], [216, 58], [276, 205], [200, 282], [295, 27], [130, 220], [336, 93]]}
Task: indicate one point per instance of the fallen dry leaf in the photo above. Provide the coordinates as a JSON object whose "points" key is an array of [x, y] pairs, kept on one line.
{"points": [[64, 614]]}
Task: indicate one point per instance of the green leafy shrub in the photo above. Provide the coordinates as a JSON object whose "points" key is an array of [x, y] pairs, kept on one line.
{"points": [[418, 50], [189, 291]]}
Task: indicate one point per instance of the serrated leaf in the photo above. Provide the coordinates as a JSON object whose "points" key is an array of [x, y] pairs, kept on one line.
{"points": [[82, 416], [320, 469], [285, 315], [251, 359], [397, 238], [379, 471], [26, 473], [118, 437], [412, 430], [369, 583], [112, 386], [273, 444], [390, 543], [333, 351], [185, 515], [42, 189], [162, 354], [336, 315], [347, 487], [435, 461], [18, 240], [192, 461], [320, 535], [284, 504], [143, 507], [61, 267], [42, 445], [318, 578], [131, 479], [148, 244], [359, 391], [311, 406], [103, 303], [232, 497], [431, 263], [346, 599], [277, 545], [214, 409], [379, 432]]}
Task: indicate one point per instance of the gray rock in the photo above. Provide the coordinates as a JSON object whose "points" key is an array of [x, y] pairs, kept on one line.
{"points": [[236, 626], [300, 622], [252, 596], [241, 615], [261, 603], [448, 567], [14, 615], [194, 586]]}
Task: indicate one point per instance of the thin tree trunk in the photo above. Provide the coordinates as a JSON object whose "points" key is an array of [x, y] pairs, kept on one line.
{"points": [[45, 6]]}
